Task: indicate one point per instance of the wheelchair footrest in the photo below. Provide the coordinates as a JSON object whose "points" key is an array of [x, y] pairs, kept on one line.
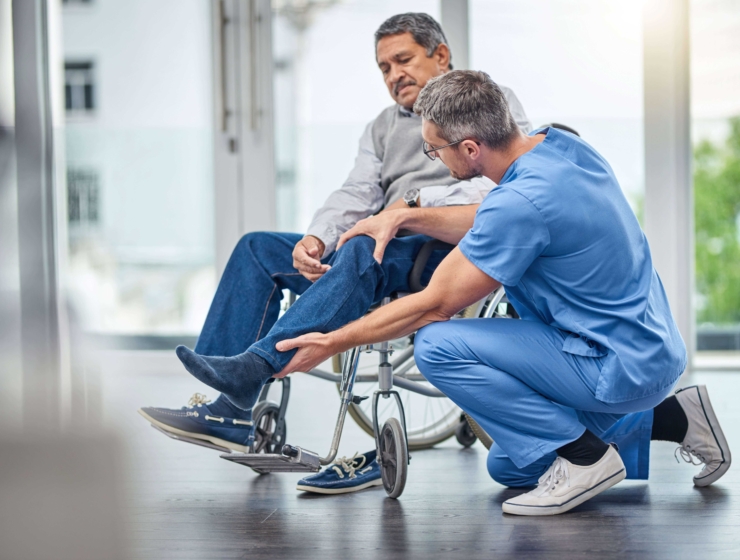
{"points": [[304, 461], [194, 441]]}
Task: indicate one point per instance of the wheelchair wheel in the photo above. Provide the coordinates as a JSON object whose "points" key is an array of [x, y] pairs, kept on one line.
{"points": [[270, 431], [393, 457]]}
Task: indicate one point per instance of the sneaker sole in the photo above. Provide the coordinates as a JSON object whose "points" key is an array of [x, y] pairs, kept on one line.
{"points": [[518, 509], [217, 441], [378, 482], [719, 437]]}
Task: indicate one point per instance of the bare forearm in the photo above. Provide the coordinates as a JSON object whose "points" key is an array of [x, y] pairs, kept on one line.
{"points": [[391, 321], [447, 223]]}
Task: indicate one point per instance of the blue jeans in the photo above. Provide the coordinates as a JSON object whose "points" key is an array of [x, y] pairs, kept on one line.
{"points": [[244, 312], [514, 379]]}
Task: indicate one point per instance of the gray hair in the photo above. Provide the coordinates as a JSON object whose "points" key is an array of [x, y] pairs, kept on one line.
{"points": [[423, 28], [468, 104]]}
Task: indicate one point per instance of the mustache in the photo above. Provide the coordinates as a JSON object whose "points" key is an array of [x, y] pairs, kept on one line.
{"points": [[401, 84]]}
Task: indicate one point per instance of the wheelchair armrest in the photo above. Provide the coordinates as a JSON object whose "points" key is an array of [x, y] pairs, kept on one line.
{"points": [[420, 262]]}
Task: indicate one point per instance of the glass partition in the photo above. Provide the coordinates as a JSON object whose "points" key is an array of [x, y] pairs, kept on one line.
{"points": [[137, 83], [715, 121]]}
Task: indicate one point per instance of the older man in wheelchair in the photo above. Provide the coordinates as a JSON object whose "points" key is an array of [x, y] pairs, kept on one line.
{"points": [[574, 392], [337, 282]]}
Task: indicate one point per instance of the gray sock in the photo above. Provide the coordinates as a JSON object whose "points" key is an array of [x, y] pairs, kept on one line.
{"points": [[240, 377]]}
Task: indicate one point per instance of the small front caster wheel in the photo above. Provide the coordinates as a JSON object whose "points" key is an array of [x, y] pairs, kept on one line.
{"points": [[393, 455], [270, 429], [464, 433]]}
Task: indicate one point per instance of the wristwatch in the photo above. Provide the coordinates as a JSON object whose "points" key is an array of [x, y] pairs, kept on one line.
{"points": [[410, 198]]}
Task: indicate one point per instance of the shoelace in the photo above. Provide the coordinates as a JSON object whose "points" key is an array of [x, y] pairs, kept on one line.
{"points": [[557, 472], [348, 465], [688, 454], [198, 399]]}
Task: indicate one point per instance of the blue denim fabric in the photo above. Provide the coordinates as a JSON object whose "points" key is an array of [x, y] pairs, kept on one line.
{"points": [[244, 312]]}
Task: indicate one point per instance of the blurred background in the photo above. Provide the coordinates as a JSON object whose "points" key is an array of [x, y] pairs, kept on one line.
{"points": [[137, 89], [140, 139]]}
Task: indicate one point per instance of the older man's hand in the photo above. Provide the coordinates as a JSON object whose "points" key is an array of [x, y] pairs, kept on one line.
{"points": [[382, 228], [306, 257], [313, 348]]}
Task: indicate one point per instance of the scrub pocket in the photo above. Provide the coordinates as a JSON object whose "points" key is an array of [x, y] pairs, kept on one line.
{"points": [[581, 346], [591, 356]]}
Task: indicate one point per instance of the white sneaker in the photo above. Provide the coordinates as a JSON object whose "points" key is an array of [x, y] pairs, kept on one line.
{"points": [[565, 485], [704, 438]]}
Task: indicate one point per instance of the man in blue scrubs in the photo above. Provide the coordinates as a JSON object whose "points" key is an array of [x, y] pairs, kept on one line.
{"points": [[597, 352]]}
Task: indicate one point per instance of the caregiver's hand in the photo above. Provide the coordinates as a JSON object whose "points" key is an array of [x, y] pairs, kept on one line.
{"points": [[313, 348], [382, 228]]}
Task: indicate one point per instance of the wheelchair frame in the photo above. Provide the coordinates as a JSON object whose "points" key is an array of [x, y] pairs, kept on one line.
{"points": [[391, 439]]}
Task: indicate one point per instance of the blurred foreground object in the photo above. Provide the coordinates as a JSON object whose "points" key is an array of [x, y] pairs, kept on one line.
{"points": [[61, 498]]}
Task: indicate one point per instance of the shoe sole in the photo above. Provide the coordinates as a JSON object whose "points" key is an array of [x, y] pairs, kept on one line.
{"points": [[719, 437], [378, 482], [518, 509], [217, 441]]}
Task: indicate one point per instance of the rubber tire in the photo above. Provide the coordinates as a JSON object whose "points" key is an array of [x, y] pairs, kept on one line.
{"points": [[279, 434], [393, 449], [464, 433], [480, 433]]}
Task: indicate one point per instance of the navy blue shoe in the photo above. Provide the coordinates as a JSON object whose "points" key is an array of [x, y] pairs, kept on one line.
{"points": [[198, 422], [345, 475]]}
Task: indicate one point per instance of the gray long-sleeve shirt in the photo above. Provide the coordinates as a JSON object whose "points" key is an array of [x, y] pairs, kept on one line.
{"points": [[362, 195]]}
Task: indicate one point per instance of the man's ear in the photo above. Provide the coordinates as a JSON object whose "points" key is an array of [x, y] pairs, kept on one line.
{"points": [[472, 148], [442, 55]]}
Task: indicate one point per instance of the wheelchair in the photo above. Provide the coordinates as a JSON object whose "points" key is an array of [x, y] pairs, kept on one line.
{"points": [[438, 420], [392, 387]]}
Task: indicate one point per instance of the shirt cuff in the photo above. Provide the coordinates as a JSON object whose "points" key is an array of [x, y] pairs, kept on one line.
{"points": [[432, 197], [327, 234]]}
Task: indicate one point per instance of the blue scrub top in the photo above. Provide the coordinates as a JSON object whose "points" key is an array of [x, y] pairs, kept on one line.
{"points": [[559, 234]]}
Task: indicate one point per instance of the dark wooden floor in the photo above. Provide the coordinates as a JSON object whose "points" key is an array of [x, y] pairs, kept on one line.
{"points": [[184, 502]]}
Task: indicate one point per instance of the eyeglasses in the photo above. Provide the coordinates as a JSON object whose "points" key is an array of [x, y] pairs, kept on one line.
{"points": [[431, 152]]}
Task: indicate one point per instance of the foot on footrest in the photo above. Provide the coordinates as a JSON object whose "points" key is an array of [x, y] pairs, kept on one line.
{"points": [[299, 460]]}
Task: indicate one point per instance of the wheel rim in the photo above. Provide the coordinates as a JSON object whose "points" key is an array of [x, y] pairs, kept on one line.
{"points": [[268, 433]]}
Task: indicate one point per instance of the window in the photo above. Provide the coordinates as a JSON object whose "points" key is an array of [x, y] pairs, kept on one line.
{"points": [[83, 197], [576, 62], [79, 87], [140, 174], [715, 124]]}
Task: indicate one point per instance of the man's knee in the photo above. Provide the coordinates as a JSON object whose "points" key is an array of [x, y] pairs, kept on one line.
{"points": [[433, 348], [252, 242], [360, 245], [505, 472], [357, 253]]}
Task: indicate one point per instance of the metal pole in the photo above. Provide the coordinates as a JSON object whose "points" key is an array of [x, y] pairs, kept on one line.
{"points": [[454, 16], [40, 336], [669, 207]]}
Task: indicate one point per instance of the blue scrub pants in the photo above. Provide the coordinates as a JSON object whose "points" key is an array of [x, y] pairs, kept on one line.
{"points": [[531, 397]]}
